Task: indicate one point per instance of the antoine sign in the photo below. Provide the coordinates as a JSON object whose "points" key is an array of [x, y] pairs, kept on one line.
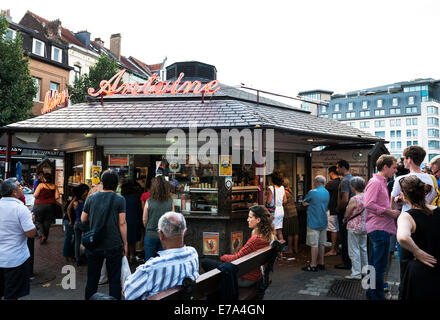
{"points": [[50, 103], [152, 86]]}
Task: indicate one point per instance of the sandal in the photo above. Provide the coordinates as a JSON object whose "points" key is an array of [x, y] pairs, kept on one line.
{"points": [[310, 269]]}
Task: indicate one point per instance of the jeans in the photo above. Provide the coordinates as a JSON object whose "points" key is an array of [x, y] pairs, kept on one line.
{"points": [[344, 240], [357, 250], [95, 260], [380, 251], [68, 240], [44, 214], [151, 246]]}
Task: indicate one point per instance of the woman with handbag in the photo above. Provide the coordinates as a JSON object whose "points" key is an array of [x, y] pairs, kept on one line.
{"points": [[355, 217], [275, 199], [47, 198]]}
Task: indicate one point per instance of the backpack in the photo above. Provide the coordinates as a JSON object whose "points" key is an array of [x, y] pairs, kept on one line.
{"points": [[436, 201]]}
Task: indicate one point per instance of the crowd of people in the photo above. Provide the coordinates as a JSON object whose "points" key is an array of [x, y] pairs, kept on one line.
{"points": [[396, 210]]}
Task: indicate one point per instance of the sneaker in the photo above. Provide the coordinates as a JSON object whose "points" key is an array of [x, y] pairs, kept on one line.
{"points": [[350, 277], [310, 269]]}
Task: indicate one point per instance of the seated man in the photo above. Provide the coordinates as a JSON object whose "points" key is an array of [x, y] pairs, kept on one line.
{"points": [[156, 274]]}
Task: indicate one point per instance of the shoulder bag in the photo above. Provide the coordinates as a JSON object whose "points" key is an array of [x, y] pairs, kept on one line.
{"points": [[270, 208], [92, 238]]}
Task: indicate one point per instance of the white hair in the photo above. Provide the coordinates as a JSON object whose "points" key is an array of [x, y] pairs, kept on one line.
{"points": [[172, 224], [320, 179]]}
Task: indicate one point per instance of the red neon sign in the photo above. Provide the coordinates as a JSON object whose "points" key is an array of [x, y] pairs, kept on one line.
{"points": [[109, 87], [51, 103]]}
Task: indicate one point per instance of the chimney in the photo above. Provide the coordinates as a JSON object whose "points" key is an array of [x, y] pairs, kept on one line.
{"points": [[98, 40], [115, 45], [7, 14], [84, 37]]}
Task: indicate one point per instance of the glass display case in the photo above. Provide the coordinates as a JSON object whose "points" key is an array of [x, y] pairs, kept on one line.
{"points": [[243, 197]]}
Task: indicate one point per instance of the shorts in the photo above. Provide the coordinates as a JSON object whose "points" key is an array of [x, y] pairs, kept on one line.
{"points": [[14, 282], [333, 225], [316, 238]]}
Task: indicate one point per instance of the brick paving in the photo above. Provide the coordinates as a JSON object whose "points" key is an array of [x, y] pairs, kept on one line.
{"points": [[289, 282]]}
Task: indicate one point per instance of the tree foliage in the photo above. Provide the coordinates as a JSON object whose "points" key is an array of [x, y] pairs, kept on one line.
{"points": [[104, 69], [17, 88]]}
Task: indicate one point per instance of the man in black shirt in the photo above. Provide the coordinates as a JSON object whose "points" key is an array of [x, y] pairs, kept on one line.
{"points": [[332, 187]]}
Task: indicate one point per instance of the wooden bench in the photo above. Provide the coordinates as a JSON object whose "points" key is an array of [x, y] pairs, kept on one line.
{"points": [[209, 282]]}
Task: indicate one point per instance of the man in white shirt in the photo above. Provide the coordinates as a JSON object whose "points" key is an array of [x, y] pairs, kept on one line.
{"points": [[15, 227], [413, 157]]}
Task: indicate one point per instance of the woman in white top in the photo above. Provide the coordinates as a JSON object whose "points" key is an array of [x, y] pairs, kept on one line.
{"points": [[280, 199]]}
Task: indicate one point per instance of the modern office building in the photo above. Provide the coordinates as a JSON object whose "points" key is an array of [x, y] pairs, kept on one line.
{"points": [[403, 113]]}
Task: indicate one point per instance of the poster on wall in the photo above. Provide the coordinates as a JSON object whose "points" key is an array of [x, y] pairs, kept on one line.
{"points": [[236, 241], [59, 175], [96, 174], [225, 167], [210, 243]]}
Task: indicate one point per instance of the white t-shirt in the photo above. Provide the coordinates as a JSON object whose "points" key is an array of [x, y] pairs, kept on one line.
{"points": [[15, 220], [426, 178]]}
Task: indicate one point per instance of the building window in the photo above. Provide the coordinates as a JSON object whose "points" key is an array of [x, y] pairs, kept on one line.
{"points": [[408, 133], [350, 106], [432, 155], [364, 124], [433, 144], [415, 143], [433, 121], [350, 115], [364, 113], [352, 124], [395, 102], [433, 133], [54, 87], [408, 143], [411, 100], [380, 134], [411, 109], [77, 71], [38, 47], [10, 34], [57, 54], [336, 107], [425, 98], [379, 103], [395, 111], [392, 134], [380, 112], [395, 123], [337, 116], [393, 145], [398, 145], [364, 104], [324, 115], [379, 123], [415, 133], [432, 110], [38, 84]]}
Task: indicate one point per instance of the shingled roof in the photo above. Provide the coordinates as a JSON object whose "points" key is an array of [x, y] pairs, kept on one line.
{"points": [[146, 115]]}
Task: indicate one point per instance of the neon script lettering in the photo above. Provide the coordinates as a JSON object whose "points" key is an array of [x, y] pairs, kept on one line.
{"points": [[51, 103], [109, 87]]}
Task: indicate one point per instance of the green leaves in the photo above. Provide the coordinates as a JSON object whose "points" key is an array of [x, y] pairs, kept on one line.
{"points": [[17, 88], [104, 69]]}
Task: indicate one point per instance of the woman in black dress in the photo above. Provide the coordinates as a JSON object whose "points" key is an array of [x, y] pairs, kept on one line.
{"points": [[418, 234]]}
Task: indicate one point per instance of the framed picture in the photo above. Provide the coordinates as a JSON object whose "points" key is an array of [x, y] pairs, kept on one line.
{"points": [[210, 243], [225, 166], [236, 241]]}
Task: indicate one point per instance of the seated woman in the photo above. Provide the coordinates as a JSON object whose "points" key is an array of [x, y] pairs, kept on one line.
{"points": [[263, 233]]}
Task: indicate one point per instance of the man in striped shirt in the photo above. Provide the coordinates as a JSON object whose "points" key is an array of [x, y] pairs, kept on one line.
{"points": [[173, 264]]}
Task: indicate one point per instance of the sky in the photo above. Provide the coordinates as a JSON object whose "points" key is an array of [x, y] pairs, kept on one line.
{"points": [[279, 46]]}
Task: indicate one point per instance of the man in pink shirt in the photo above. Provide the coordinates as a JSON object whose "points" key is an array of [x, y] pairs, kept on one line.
{"points": [[380, 222]]}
